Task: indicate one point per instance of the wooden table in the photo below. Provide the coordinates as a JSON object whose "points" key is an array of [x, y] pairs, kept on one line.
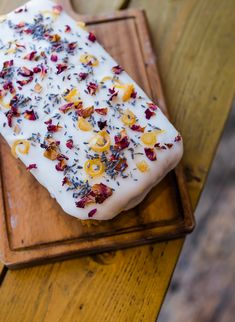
{"points": [[195, 49]]}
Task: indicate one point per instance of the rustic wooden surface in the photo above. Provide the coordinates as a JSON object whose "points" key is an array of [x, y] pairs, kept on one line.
{"points": [[30, 235], [207, 263], [196, 50]]}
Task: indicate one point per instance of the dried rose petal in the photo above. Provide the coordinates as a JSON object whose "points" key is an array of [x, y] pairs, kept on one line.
{"points": [[30, 56], [92, 212], [137, 128], [25, 72], [102, 124], [160, 147], [65, 181], [85, 112], [25, 81], [61, 165], [149, 113], [152, 106], [83, 75], [69, 144], [113, 93], [91, 37], [150, 153], [57, 9], [92, 88], [61, 156], [133, 94], [53, 128], [178, 138], [8, 86], [102, 111], [54, 58], [31, 166], [101, 192], [72, 46], [85, 201], [30, 115], [66, 107], [10, 114], [117, 69], [61, 68], [36, 70], [121, 140], [169, 145], [67, 28], [48, 122]]}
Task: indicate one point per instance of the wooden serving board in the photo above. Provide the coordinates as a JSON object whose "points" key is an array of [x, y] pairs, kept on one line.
{"points": [[33, 227]]}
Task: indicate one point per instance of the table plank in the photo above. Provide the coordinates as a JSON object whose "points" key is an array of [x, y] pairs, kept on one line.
{"points": [[195, 55]]}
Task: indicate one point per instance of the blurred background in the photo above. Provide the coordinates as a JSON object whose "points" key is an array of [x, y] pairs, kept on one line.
{"points": [[203, 285]]}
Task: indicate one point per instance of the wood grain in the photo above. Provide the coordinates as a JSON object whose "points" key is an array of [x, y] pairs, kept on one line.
{"points": [[129, 288], [36, 235]]}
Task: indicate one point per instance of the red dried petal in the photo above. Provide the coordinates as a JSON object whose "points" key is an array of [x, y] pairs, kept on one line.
{"points": [[54, 58], [61, 165], [85, 201], [169, 145], [31, 166], [133, 94], [117, 69], [113, 93], [25, 81], [67, 28], [30, 115], [137, 128], [152, 106], [121, 140], [102, 124], [151, 154], [8, 86], [30, 56], [83, 75], [25, 72], [53, 128], [72, 46], [65, 181], [66, 107], [91, 37], [92, 88], [36, 70], [48, 122], [61, 68], [178, 138], [69, 144], [102, 111], [149, 113], [92, 212]]}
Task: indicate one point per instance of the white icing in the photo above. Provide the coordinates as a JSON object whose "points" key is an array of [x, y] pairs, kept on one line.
{"points": [[131, 189]]}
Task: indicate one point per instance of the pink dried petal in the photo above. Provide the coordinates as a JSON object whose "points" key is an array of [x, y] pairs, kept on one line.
{"points": [[25, 72], [117, 69], [8, 86], [54, 58], [48, 122], [69, 144], [121, 140], [152, 106], [67, 28], [92, 88], [72, 46], [66, 107], [85, 201], [61, 68], [137, 128], [91, 37], [178, 138], [31, 166], [150, 153], [113, 93], [30, 56], [57, 9], [83, 75], [61, 165], [102, 111], [92, 212], [25, 81], [85, 112], [149, 113]]}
